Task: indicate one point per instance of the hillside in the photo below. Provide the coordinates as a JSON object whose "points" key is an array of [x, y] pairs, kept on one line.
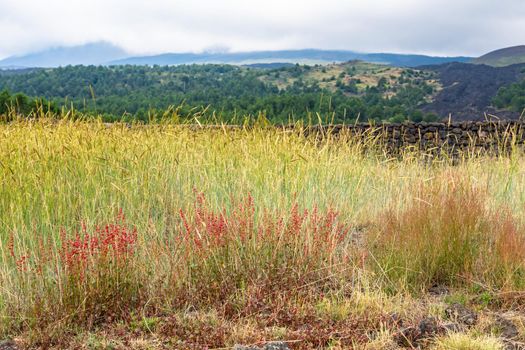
{"points": [[503, 57], [306, 56], [468, 90], [341, 91], [351, 78], [89, 54]]}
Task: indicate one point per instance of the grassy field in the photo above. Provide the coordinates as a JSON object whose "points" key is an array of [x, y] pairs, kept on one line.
{"points": [[159, 236]]}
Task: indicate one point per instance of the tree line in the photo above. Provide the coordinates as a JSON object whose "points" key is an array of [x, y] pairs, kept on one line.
{"points": [[23, 104], [511, 97], [219, 91]]}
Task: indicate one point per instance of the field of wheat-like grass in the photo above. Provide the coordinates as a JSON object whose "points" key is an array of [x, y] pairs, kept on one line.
{"points": [[166, 236]]}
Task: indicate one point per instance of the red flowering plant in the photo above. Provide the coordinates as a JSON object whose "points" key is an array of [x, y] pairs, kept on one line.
{"points": [[99, 272], [92, 274], [111, 245], [229, 249]]}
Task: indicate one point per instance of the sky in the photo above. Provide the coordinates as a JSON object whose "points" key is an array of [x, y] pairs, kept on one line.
{"points": [[436, 27]]}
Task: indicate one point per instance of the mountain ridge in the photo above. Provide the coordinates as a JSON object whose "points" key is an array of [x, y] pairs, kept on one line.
{"points": [[96, 53], [503, 57], [289, 56], [104, 53]]}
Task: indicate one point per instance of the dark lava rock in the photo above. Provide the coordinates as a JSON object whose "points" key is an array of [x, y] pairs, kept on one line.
{"points": [[437, 289], [242, 347], [451, 327], [459, 313], [394, 320], [8, 345], [428, 327], [407, 337], [506, 328], [512, 345], [468, 89], [276, 345]]}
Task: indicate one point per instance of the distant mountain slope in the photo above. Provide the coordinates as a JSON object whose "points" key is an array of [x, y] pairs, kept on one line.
{"points": [[503, 57], [103, 53], [468, 89], [288, 56], [89, 54], [274, 65]]}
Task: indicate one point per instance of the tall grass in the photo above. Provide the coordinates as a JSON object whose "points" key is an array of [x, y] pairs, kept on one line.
{"points": [[449, 235], [206, 259], [228, 219], [83, 278], [215, 254]]}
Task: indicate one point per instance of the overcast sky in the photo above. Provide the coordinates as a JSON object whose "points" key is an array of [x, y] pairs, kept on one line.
{"points": [[441, 27]]}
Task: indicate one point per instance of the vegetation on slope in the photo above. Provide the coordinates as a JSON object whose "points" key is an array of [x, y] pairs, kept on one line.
{"points": [[511, 97], [503, 57], [339, 93]]}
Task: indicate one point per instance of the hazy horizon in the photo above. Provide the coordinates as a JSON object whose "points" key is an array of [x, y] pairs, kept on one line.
{"points": [[211, 50], [437, 28]]}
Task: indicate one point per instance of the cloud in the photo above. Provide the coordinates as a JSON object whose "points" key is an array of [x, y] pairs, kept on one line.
{"points": [[444, 27]]}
